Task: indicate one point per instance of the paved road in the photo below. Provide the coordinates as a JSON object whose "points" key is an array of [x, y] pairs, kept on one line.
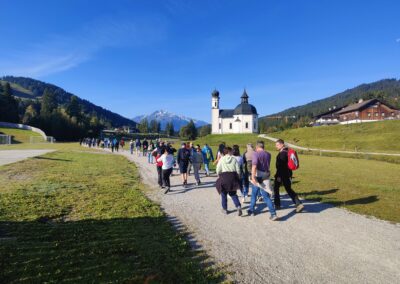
{"points": [[321, 245], [12, 156]]}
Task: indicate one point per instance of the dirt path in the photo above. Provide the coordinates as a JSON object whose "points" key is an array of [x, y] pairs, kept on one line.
{"points": [[321, 245], [12, 156]]}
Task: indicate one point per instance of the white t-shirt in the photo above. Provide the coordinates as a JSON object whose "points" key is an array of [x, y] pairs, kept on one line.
{"points": [[167, 160]]}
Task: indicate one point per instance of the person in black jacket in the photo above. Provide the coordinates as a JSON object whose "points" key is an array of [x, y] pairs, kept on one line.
{"points": [[283, 177]]}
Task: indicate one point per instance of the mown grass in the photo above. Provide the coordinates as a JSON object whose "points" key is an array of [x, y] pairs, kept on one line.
{"points": [[81, 217], [366, 187], [381, 136], [18, 135]]}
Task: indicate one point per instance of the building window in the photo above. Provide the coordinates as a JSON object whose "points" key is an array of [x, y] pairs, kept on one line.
{"points": [[230, 125], [247, 125], [220, 126], [376, 114], [392, 113], [254, 125], [369, 114], [215, 104], [383, 114]]}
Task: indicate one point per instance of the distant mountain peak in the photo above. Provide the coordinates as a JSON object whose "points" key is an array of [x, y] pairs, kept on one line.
{"points": [[163, 116]]}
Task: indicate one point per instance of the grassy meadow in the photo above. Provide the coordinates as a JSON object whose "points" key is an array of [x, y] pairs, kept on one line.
{"points": [[80, 216], [383, 136], [367, 187], [18, 136]]}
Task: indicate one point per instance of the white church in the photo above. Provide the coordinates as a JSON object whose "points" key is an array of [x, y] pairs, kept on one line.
{"points": [[242, 119]]}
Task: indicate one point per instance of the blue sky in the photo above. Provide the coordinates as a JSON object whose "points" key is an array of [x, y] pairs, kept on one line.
{"points": [[135, 57]]}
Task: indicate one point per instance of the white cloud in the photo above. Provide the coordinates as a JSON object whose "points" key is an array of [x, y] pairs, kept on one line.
{"points": [[58, 53]]}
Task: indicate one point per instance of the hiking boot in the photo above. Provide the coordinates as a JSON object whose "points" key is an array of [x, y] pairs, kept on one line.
{"points": [[224, 211], [299, 208], [166, 191], [240, 213], [274, 218]]}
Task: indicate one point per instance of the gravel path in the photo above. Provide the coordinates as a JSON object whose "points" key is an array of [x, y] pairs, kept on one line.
{"points": [[321, 245], [12, 156]]}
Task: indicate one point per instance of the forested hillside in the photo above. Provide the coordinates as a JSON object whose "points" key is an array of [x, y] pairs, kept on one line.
{"points": [[57, 112]]}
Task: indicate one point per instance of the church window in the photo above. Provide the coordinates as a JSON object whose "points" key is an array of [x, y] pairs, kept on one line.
{"points": [[220, 126], [254, 125], [247, 125], [230, 125]]}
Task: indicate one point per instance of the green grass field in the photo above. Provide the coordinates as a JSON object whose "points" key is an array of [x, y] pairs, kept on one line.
{"points": [[18, 135], [79, 216], [362, 186], [366, 137]]}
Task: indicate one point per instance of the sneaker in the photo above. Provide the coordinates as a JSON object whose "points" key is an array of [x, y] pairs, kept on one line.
{"points": [[299, 208], [250, 212], [224, 211], [240, 212], [243, 199], [274, 218], [166, 191]]}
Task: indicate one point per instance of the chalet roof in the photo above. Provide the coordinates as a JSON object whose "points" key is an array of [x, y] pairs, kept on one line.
{"points": [[330, 113]]}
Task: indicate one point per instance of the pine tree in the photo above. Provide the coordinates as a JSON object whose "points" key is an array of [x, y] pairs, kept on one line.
{"points": [[171, 130], [143, 126], [49, 103], [8, 105], [74, 108]]}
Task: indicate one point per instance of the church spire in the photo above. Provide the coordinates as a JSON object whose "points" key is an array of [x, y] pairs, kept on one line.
{"points": [[245, 97]]}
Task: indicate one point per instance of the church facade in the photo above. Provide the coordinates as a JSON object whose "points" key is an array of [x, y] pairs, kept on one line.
{"points": [[242, 119]]}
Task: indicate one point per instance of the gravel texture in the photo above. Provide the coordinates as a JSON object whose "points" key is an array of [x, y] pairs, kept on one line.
{"points": [[321, 245]]}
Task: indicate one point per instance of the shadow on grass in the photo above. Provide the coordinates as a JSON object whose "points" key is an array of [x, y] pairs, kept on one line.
{"points": [[129, 250], [51, 159]]}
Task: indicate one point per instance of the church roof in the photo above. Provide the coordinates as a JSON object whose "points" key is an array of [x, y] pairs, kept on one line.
{"points": [[226, 113], [245, 108]]}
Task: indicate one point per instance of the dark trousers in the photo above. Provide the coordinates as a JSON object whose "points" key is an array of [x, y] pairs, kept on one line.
{"points": [[224, 199], [287, 183], [160, 176], [166, 174]]}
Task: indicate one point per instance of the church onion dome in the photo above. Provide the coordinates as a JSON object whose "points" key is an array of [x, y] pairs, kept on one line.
{"points": [[245, 107], [215, 94]]}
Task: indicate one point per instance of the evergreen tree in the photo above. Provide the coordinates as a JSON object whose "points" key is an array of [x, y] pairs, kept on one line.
{"points": [[30, 115], [143, 126], [205, 130], [74, 108], [167, 128], [8, 105], [49, 103], [153, 126], [171, 131], [188, 131]]}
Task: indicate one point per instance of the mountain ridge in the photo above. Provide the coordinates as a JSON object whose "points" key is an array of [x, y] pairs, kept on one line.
{"points": [[164, 117]]}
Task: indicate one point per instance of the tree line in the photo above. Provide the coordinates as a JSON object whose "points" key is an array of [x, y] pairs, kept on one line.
{"points": [[65, 122]]}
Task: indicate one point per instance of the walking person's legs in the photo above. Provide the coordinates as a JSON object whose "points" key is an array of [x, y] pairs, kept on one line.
{"points": [[166, 177], [160, 180], [236, 201], [287, 183], [277, 197], [269, 203], [254, 193], [224, 202], [196, 168], [206, 167]]}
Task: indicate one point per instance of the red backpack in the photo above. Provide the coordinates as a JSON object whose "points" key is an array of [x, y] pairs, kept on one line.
{"points": [[293, 160]]}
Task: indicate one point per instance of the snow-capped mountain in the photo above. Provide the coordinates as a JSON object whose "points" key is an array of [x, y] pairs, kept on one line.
{"points": [[164, 117]]}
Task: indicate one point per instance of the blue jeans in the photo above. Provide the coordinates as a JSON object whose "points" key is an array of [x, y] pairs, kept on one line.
{"points": [[245, 185], [207, 168], [255, 191], [224, 199], [149, 158]]}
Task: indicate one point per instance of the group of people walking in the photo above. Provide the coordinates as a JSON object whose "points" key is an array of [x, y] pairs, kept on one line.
{"points": [[235, 171], [254, 168]]}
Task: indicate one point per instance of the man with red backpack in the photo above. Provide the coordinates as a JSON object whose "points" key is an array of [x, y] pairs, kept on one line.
{"points": [[286, 161]]}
